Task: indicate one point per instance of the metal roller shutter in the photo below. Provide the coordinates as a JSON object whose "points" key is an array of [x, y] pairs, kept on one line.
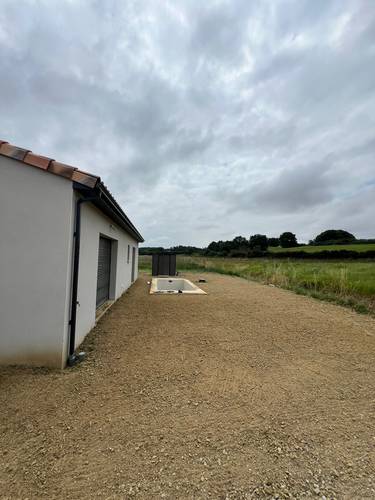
{"points": [[133, 264], [104, 271]]}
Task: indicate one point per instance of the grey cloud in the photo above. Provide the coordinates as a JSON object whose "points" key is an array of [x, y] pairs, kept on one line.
{"points": [[290, 190], [219, 30], [295, 189], [257, 116], [304, 16], [363, 149], [279, 65], [264, 137]]}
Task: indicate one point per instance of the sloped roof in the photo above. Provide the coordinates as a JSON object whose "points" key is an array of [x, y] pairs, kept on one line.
{"points": [[48, 164], [84, 182]]}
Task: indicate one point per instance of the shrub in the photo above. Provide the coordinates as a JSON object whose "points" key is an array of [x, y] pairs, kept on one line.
{"points": [[325, 254], [334, 237]]}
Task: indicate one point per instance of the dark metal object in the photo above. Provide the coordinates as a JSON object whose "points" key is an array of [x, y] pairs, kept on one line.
{"points": [[164, 264], [104, 271], [76, 358], [73, 309], [133, 264]]}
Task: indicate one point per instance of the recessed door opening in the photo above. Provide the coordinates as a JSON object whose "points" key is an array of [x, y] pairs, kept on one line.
{"points": [[133, 265], [104, 271]]}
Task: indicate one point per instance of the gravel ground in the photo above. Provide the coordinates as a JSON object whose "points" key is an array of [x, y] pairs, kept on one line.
{"points": [[247, 392]]}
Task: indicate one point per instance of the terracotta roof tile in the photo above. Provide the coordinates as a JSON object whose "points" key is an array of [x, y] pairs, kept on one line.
{"points": [[84, 178], [7, 149], [75, 175], [61, 169], [37, 161], [55, 167]]}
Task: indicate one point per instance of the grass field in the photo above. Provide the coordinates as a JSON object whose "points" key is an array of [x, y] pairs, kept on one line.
{"points": [[349, 283], [361, 247]]}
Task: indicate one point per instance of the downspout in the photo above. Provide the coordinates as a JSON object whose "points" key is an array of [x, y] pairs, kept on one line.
{"points": [[72, 357]]}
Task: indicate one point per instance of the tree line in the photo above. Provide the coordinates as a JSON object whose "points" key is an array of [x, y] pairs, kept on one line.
{"points": [[258, 244]]}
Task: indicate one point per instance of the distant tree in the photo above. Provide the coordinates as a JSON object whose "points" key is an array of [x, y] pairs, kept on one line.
{"points": [[186, 250], [213, 248], [219, 248], [334, 236], [180, 249], [239, 246], [273, 242], [150, 250], [258, 242], [226, 247], [239, 241], [288, 240]]}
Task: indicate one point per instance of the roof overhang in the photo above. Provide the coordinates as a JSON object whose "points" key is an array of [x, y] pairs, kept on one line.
{"points": [[105, 202]]}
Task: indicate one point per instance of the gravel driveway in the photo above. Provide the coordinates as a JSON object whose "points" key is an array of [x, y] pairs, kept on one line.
{"points": [[247, 392]]}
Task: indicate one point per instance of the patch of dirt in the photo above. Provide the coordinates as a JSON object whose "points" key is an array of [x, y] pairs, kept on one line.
{"points": [[247, 392]]}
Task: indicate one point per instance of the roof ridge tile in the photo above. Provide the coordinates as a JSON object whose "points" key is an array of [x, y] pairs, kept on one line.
{"points": [[80, 177], [15, 152], [43, 162], [37, 160]]}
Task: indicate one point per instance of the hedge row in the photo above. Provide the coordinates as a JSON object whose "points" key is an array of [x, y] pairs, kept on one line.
{"points": [[322, 255]]}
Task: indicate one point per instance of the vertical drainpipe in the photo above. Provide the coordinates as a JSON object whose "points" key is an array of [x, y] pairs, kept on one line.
{"points": [[72, 357]]}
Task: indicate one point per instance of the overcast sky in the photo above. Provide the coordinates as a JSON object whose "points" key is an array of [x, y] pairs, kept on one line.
{"points": [[206, 120]]}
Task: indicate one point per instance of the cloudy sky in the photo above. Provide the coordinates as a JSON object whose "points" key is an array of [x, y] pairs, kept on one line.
{"points": [[205, 119]]}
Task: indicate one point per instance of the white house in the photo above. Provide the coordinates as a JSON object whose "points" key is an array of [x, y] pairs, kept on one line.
{"points": [[66, 248]]}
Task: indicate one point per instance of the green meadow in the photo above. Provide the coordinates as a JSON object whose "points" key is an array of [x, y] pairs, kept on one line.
{"points": [[348, 283], [360, 247]]}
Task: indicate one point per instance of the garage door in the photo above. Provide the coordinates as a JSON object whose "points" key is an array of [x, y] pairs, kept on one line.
{"points": [[104, 271]]}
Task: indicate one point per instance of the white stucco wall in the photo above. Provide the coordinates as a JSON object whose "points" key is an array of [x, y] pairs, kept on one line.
{"points": [[35, 261], [94, 224], [37, 211]]}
